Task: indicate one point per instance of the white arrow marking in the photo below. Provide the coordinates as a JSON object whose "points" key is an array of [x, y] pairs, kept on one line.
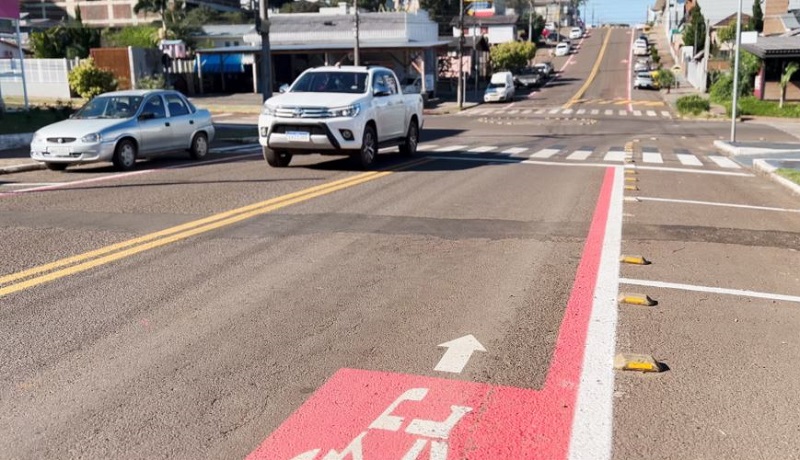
{"points": [[458, 353]]}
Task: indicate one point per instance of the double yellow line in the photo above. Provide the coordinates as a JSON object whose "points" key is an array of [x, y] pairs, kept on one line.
{"points": [[592, 75], [35, 276]]}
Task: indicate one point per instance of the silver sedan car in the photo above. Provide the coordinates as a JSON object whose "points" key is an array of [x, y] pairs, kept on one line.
{"points": [[123, 126]]}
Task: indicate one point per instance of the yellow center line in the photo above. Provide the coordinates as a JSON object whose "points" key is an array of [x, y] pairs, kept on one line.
{"points": [[592, 75], [173, 234]]}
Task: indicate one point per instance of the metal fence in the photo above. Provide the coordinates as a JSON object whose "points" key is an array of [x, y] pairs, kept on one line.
{"points": [[44, 78]]}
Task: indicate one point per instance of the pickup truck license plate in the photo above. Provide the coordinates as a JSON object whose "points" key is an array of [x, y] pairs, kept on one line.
{"points": [[59, 151], [298, 136]]}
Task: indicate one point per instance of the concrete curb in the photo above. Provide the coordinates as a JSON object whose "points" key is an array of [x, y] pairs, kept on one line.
{"points": [[21, 168], [765, 168], [732, 150]]}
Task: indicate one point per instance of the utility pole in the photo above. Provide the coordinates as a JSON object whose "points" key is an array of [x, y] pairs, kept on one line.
{"points": [[262, 25], [460, 86], [357, 49], [736, 72]]}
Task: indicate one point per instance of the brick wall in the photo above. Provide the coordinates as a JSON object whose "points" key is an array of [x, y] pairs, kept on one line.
{"points": [[772, 91]]}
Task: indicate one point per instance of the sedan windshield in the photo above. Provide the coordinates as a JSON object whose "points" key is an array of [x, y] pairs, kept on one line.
{"points": [[331, 82], [110, 107]]}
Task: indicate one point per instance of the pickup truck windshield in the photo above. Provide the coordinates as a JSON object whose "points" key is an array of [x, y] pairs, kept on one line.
{"points": [[331, 82]]}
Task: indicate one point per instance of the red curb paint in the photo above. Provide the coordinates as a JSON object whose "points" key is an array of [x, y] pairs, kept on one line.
{"points": [[371, 415]]}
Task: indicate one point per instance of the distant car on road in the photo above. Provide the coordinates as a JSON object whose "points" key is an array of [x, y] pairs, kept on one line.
{"points": [[641, 48], [500, 88], [644, 80], [545, 67], [575, 33], [641, 65], [530, 77], [123, 126], [562, 49]]}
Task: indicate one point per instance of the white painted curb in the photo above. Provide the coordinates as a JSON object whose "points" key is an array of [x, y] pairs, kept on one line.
{"points": [[767, 169]]}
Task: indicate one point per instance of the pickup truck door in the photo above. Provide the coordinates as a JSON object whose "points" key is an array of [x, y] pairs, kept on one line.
{"points": [[397, 108], [388, 104]]}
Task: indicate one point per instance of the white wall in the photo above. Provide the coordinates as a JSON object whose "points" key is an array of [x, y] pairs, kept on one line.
{"points": [[45, 78]]}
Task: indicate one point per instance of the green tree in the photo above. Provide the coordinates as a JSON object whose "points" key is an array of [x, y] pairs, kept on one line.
{"points": [[757, 20], [786, 77], [441, 12], [512, 56], [694, 33], [136, 36], [665, 79], [65, 41]]}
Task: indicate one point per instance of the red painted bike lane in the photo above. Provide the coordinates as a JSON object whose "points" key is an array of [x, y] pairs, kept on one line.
{"points": [[372, 415]]}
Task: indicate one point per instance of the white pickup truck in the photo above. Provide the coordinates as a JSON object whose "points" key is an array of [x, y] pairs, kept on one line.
{"points": [[340, 111]]}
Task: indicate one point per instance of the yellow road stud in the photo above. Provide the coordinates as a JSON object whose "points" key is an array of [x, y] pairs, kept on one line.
{"points": [[634, 260], [632, 188], [636, 299], [631, 171], [631, 179], [635, 362]]}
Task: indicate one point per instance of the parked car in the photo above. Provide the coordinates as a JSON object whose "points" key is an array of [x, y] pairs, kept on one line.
{"points": [[545, 67], [123, 126], [641, 65], [575, 33], [530, 77], [644, 80], [500, 88], [412, 85], [641, 48], [562, 49], [345, 110]]}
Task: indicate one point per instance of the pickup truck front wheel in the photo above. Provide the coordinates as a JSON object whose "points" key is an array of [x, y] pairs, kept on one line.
{"points": [[277, 158], [369, 149], [409, 146]]}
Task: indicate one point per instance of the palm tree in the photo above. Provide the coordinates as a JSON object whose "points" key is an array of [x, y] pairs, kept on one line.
{"points": [[786, 78], [153, 6]]}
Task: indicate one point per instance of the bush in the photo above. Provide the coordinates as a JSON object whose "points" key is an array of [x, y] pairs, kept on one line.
{"points": [[693, 104], [88, 81], [155, 82], [752, 106]]}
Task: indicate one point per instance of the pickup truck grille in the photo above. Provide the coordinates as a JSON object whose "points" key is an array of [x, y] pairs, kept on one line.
{"points": [[311, 129], [301, 112]]}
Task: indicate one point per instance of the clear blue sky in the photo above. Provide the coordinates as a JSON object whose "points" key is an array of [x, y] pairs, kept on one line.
{"points": [[621, 11]]}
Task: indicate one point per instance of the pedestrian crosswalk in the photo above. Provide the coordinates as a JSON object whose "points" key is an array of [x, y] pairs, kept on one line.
{"points": [[615, 155], [562, 112]]}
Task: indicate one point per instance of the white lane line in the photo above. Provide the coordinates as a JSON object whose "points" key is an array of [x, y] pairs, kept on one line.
{"points": [[637, 113], [514, 150], [711, 203], [581, 111], [483, 149], [579, 155], [711, 290], [450, 148], [724, 162], [688, 160], [540, 111], [712, 172], [651, 113], [553, 111], [666, 114], [614, 155], [567, 112], [545, 153], [513, 112], [34, 184], [594, 409], [525, 112], [609, 112], [652, 157], [425, 147], [623, 113], [630, 74], [595, 111]]}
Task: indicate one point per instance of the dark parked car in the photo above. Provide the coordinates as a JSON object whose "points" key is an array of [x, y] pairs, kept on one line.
{"points": [[530, 77]]}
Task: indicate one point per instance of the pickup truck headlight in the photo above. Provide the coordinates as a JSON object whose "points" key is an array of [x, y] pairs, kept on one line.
{"points": [[268, 110], [92, 138], [349, 111]]}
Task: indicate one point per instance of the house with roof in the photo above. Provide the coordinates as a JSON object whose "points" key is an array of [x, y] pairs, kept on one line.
{"points": [[408, 43], [776, 52], [496, 29]]}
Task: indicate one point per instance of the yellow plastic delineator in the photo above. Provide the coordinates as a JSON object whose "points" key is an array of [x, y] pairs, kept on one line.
{"points": [[631, 179], [635, 362], [634, 260], [631, 187], [635, 299], [631, 171]]}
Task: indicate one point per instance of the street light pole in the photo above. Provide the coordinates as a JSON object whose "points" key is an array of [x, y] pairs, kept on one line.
{"points": [[266, 55], [736, 72], [357, 49], [460, 85]]}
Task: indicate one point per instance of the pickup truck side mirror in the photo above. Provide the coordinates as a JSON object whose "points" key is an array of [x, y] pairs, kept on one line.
{"points": [[380, 91], [283, 88]]}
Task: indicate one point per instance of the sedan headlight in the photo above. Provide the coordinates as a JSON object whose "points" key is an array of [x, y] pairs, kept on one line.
{"points": [[349, 111], [268, 110], [92, 138]]}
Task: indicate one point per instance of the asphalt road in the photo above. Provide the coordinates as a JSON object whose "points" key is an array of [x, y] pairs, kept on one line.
{"points": [[224, 309]]}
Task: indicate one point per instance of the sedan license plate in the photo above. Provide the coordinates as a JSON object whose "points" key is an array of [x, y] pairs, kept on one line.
{"points": [[59, 151], [298, 136]]}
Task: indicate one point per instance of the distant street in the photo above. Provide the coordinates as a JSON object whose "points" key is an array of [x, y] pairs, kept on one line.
{"points": [[462, 304]]}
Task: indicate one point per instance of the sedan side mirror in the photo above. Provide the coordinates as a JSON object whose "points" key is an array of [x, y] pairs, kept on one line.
{"points": [[283, 88]]}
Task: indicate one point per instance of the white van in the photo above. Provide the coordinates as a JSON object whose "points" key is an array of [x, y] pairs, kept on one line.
{"points": [[501, 88]]}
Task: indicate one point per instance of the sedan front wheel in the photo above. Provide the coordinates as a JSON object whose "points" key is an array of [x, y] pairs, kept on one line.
{"points": [[125, 155]]}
